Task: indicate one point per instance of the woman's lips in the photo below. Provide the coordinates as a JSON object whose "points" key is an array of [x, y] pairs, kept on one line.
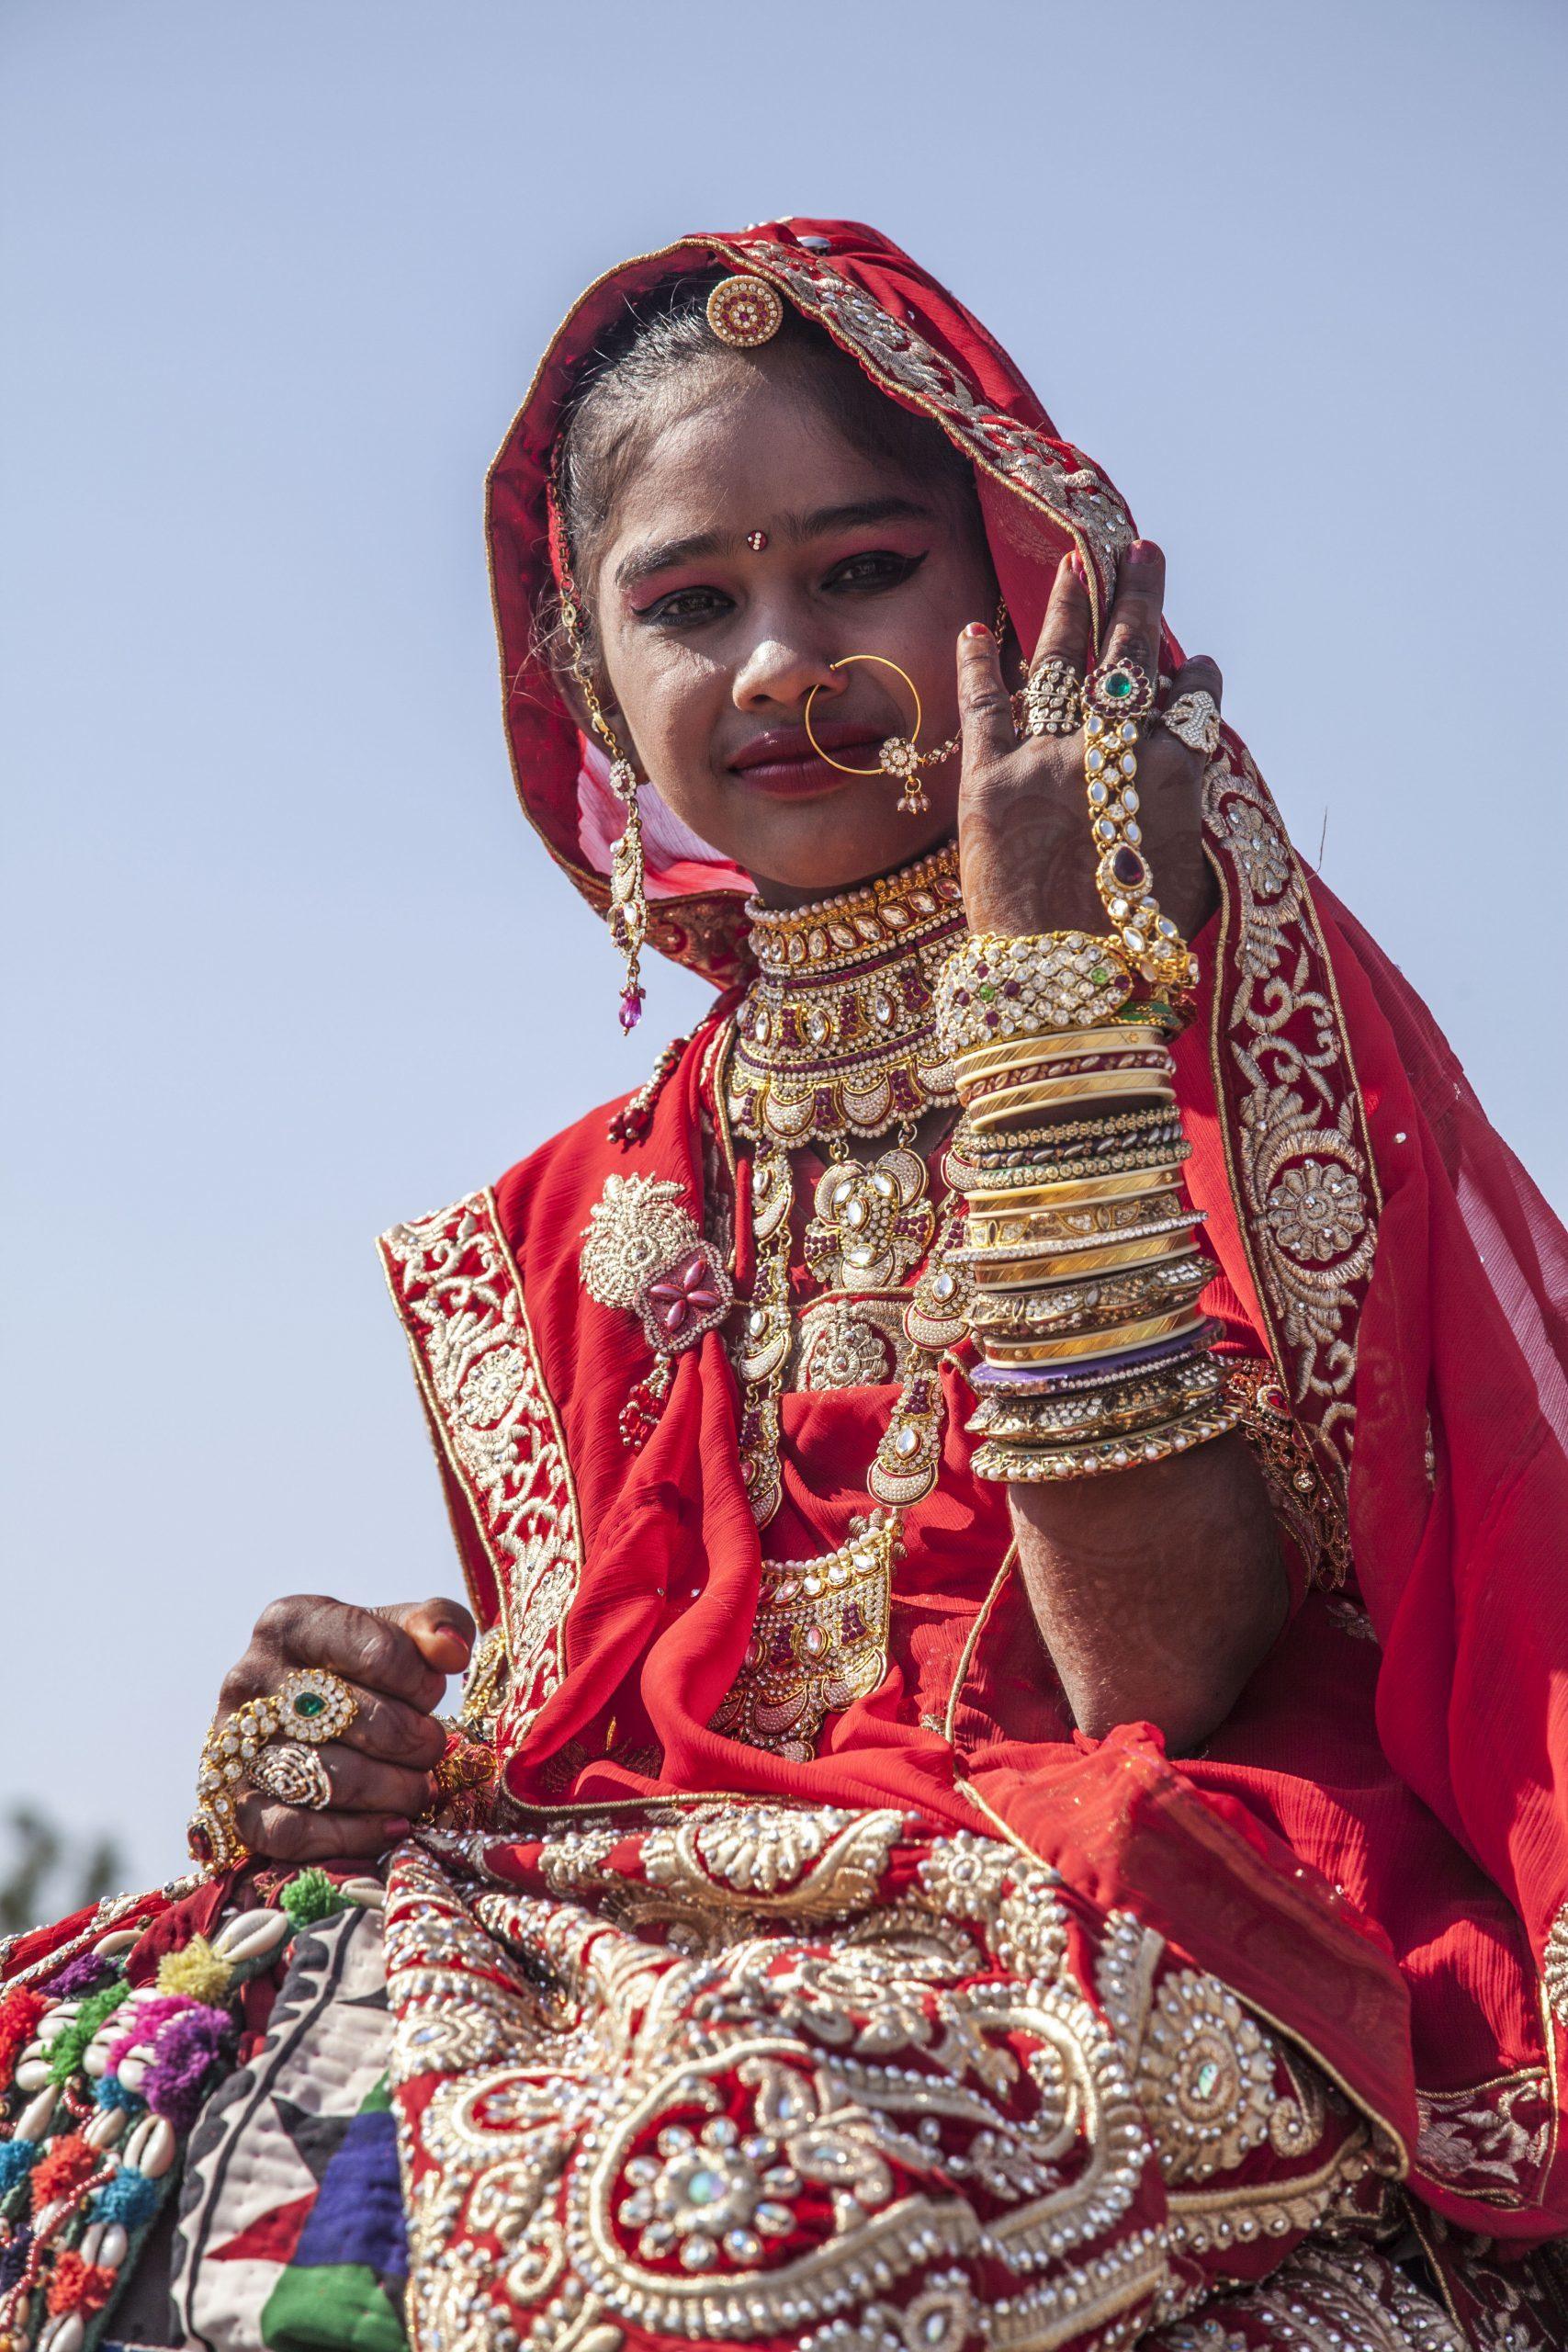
{"points": [[784, 763]]}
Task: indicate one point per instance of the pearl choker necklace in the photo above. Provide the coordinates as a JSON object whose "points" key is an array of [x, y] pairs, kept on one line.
{"points": [[837, 1033]]}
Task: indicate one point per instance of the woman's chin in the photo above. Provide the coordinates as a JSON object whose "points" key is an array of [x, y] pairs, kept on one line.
{"points": [[814, 849]]}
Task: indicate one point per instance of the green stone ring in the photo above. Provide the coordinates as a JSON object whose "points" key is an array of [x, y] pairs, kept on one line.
{"points": [[315, 1705], [1121, 689]]}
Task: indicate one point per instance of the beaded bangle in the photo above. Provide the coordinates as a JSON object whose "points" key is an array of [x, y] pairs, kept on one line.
{"points": [[1060, 1421], [994, 986], [1090, 1133], [978, 1164], [1026, 1466]]}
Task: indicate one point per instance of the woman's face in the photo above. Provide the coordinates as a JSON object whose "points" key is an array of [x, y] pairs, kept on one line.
{"points": [[710, 643]]}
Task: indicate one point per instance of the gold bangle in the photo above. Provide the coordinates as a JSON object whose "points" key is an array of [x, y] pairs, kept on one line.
{"points": [[1025, 1269], [1023, 1226], [1080, 1191], [975, 1085], [1140, 1334], [1020, 1102], [1032, 1466], [1056, 1046], [1169, 1283], [1024, 1420]]}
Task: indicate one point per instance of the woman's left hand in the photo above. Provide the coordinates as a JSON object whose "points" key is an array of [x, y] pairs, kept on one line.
{"points": [[1025, 850]]}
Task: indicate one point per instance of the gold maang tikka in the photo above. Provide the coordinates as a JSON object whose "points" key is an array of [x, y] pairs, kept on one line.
{"points": [[628, 896]]}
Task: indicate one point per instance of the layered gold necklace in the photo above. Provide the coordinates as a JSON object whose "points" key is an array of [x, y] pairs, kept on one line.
{"points": [[835, 1038], [837, 1035]]}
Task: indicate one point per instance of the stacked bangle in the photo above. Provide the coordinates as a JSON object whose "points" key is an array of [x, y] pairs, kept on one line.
{"points": [[1083, 1268]]}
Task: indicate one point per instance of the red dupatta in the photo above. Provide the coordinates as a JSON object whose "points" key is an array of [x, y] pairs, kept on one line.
{"points": [[1407, 1281]]}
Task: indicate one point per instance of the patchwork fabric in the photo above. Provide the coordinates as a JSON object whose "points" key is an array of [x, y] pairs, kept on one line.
{"points": [[290, 2232]]}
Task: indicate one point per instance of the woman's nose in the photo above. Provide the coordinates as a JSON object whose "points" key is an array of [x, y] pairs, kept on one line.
{"points": [[781, 676]]}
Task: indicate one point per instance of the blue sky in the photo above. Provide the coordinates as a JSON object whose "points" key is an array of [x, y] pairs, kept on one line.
{"points": [[282, 963]]}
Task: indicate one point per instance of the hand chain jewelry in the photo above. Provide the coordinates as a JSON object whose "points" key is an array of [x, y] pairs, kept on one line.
{"points": [[1117, 697]]}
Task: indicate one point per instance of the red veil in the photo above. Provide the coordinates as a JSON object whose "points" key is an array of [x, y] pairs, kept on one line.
{"points": [[1387, 1252]]}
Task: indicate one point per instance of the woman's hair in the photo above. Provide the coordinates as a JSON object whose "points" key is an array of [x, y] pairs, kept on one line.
{"points": [[615, 404]]}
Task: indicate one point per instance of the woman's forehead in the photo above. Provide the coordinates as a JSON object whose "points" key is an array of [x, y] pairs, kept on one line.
{"points": [[777, 460]]}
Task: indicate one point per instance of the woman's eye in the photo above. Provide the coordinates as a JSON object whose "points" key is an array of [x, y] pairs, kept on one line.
{"points": [[686, 605], [880, 568]]}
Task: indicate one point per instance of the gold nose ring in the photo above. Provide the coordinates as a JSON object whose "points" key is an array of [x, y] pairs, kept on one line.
{"points": [[898, 756]]}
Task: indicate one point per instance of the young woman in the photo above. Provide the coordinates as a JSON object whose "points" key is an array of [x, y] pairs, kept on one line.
{"points": [[1010, 1790]]}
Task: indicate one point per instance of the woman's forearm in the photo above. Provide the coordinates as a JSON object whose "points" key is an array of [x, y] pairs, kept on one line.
{"points": [[1156, 1591]]}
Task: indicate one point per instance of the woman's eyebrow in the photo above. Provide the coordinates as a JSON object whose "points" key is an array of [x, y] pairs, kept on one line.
{"points": [[662, 555]]}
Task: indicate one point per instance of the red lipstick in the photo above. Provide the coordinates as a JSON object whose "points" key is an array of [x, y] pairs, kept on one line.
{"points": [[782, 761]]}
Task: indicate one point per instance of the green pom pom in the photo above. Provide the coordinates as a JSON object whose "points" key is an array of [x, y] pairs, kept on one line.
{"points": [[66, 2055], [312, 1896]]}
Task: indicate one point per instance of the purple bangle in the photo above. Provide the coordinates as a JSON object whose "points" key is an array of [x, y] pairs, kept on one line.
{"points": [[1092, 1368]]}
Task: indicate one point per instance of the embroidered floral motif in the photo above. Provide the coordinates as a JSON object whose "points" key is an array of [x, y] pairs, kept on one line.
{"points": [[1322, 2299], [761, 2086], [642, 1250], [1305, 1177], [1493, 2141], [1316, 1211], [1212, 2076], [452, 1277], [819, 1864]]}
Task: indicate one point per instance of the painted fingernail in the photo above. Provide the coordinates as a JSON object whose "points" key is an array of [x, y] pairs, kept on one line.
{"points": [[1079, 567], [1139, 552], [975, 629], [395, 1827]]}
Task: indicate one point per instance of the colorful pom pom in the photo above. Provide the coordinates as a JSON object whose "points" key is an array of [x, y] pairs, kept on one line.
{"points": [[199, 1971], [130, 2199], [20, 2010], [309, 1896], [66, 2055], [110, 2091], [87, 1973], [79, 2286], [187, 2048], [65, 2165]]}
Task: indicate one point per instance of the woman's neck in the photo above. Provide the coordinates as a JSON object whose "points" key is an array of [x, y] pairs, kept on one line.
{"points": [[787, 897]]}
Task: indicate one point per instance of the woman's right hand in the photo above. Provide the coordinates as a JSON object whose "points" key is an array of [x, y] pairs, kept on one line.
{"points": [[396, 1662]]}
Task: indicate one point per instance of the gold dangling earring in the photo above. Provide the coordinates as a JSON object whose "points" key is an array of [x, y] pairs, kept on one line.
{"points": [[628, 896]]}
